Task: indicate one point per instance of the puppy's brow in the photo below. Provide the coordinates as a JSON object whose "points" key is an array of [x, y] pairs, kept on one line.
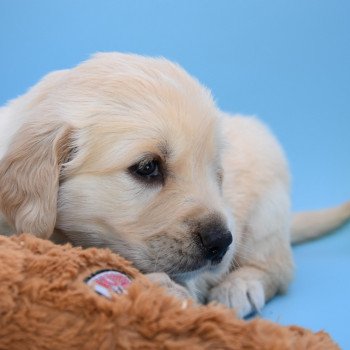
{"points": [[164, 149]]}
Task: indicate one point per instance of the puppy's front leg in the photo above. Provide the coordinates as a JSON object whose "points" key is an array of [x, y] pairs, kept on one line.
{"points": [[263, 264], [172, 287]]}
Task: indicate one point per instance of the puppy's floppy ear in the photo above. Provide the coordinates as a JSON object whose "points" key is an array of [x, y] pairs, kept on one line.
{"points": [[29, 176]]}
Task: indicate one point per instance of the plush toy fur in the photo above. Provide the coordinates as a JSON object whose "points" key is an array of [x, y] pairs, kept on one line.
{"points": [[45, 304]]}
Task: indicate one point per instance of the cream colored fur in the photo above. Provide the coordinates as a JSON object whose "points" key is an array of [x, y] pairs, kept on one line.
{"points": [[66, 148]]}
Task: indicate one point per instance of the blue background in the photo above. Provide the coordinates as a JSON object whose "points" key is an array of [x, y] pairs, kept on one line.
{"points": [[286, 61]]}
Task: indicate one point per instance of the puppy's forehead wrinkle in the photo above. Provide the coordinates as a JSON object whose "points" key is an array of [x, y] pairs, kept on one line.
{"points": [[113, 146]]}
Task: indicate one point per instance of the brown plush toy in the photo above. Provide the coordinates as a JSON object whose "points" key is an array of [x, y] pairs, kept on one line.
{"points": [[59, 297]]}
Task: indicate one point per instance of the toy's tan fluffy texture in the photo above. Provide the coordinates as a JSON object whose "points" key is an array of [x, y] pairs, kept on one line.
{"points": [[45, 304]]}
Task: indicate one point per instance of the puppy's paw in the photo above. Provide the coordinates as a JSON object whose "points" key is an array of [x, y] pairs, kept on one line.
{"points": [[172, 287], [244, 295]]}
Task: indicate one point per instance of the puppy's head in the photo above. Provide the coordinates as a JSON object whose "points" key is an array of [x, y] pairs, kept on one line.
{"points": [[124, 152]]}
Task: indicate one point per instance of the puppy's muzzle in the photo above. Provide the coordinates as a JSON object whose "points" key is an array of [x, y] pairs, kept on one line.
{"points": [[216, 241]]}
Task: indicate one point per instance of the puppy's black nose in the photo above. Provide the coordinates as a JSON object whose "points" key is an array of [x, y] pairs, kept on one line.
{"points": [[215, 241]]}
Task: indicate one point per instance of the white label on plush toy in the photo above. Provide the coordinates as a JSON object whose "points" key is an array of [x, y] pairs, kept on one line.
{"points": [[105, 282]]}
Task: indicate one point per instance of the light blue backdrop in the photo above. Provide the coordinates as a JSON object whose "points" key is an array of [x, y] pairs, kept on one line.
{"points": [[285, 61]]}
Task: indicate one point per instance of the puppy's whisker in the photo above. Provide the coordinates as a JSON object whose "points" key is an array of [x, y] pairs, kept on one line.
{"points": [[156, 262], [243, 252], [244, 246], [235, 263]]}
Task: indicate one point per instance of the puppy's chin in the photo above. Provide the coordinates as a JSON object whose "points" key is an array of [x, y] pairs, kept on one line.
{"points": [[213, 268], [182, 267]]}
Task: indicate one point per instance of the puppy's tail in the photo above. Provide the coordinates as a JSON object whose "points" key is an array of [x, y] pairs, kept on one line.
{"points": [[312, 224]]}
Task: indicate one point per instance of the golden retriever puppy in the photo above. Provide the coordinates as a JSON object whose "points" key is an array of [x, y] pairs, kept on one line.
{"points": [[131, 153]]}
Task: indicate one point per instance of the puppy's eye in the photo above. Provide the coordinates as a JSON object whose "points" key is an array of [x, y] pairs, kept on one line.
{"points": [[148, 171]]}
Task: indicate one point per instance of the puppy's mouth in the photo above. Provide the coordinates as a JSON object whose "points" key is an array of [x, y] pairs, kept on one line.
{"points": [[182, 265], [217, 266], [217, 260], [182, 259]]}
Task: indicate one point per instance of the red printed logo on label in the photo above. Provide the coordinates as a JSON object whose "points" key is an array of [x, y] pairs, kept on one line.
{"points": [[106, 281]]}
